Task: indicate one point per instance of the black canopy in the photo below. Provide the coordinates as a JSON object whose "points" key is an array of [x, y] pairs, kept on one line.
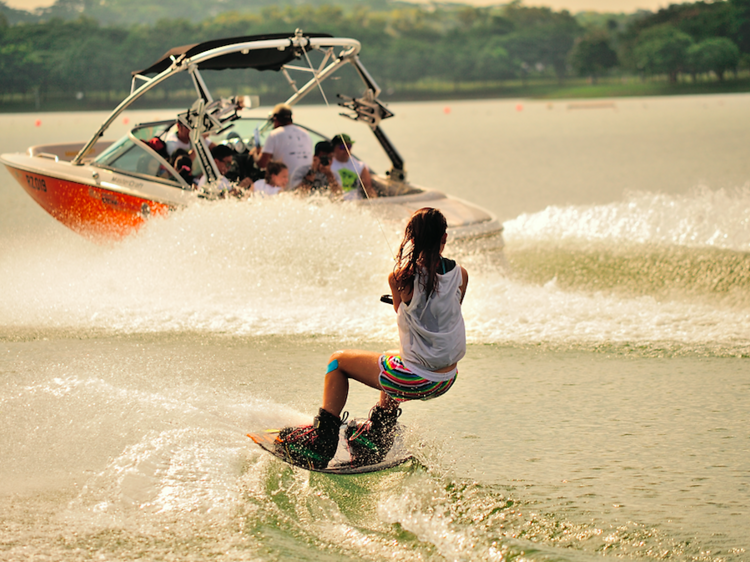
{"points": [[261, 59]]}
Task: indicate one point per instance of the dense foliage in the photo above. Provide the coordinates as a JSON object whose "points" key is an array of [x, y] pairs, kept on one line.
{"points": [[81, 47]]}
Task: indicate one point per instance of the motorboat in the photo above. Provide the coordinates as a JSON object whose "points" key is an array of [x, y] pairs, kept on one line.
{"points": [[110, 189]]}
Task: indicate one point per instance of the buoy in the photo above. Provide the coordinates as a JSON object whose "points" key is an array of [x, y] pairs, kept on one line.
{"points": [[125, 120], [446, 110], [38, 123], [519, 107]]}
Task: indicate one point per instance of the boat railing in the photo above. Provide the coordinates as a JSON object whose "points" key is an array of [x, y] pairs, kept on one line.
{"points": [[66, 152]]}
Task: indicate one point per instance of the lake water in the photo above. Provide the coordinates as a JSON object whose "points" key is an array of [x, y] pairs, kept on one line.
{"points": [[603, 408]]}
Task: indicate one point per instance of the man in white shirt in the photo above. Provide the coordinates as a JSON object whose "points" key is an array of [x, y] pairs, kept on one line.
{"points": [[354, 176], [178, 138], [287, 143]]}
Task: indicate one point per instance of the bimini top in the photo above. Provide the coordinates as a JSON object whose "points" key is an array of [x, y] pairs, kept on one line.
{"points": [[276, 51], [270, 58]]}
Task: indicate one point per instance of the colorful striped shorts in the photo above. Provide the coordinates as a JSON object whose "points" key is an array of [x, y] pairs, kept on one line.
{"points": [[401, 384]]}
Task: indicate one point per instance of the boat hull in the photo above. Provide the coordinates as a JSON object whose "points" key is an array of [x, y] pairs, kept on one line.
{"points": [[89, 210]]}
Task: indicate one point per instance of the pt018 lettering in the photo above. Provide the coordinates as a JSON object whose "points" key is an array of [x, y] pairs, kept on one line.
{"points": [[36, 183]]}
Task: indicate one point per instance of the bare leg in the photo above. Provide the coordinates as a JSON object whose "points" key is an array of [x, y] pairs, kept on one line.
{"points": [[354, 364]]}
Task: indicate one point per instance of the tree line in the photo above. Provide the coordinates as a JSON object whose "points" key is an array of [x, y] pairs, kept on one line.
{"points": [[402, 46]]}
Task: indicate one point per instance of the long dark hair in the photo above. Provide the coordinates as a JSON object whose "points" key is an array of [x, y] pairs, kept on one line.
{"points": [[420, 248]]}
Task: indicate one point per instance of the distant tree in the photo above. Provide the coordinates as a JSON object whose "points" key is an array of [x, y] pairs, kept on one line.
{"points": [[492, 61], [541, 38], [742, 24], [21, 68], [232, 23], [716, 55], [499, 24], [410, 60], [701, 20], [469, 16], [415, 23], [477, 58], [67, 9], [591, 55], [662, 50]]}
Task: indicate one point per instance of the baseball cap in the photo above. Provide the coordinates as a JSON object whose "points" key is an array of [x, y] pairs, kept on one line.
{"points": [[343, 138], [282, 111]]}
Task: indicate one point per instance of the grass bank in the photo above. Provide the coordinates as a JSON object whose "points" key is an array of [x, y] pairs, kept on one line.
{"points": [[574, 88]]}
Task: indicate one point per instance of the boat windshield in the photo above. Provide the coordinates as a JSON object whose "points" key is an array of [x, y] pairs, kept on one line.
{"points": [[131, 155]]}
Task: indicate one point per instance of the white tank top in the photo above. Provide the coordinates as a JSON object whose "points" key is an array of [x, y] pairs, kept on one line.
{"points": [[432, 331]]}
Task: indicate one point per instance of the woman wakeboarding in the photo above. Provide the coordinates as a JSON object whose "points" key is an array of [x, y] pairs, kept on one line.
{"points": [[428, 290]]}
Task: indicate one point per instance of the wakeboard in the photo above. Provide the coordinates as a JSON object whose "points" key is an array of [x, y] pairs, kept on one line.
{"points": [[342, 461]]}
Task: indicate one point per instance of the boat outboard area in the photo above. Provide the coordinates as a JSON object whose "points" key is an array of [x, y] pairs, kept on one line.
{"points": [[109, 189]]}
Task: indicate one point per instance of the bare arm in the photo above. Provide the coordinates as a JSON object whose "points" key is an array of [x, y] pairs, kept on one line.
{"points": [[464, 282], [264, 159], [367, 183], [399, 296], [394, 291]]}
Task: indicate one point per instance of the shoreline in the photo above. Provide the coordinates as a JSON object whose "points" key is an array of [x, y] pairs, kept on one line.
{"points": [[579, 88]]}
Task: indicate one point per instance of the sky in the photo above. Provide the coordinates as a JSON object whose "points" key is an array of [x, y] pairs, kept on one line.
{"points": [[627, 6]]}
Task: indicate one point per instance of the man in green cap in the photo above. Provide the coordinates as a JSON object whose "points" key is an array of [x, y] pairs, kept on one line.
{"points": [[354, 176]]}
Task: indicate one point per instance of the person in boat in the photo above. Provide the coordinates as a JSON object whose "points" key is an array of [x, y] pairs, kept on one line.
{"points": [[244, 160], [318, 177], [287, 143], [428, 290], [224, 158], [179, 139], [158, 146], [354, 176], [151, 166], [276, 180], [183, 165]]}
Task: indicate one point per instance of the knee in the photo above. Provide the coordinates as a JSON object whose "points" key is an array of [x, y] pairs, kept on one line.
{"points": [[334, 362], [337, 355], [343, 357]]}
